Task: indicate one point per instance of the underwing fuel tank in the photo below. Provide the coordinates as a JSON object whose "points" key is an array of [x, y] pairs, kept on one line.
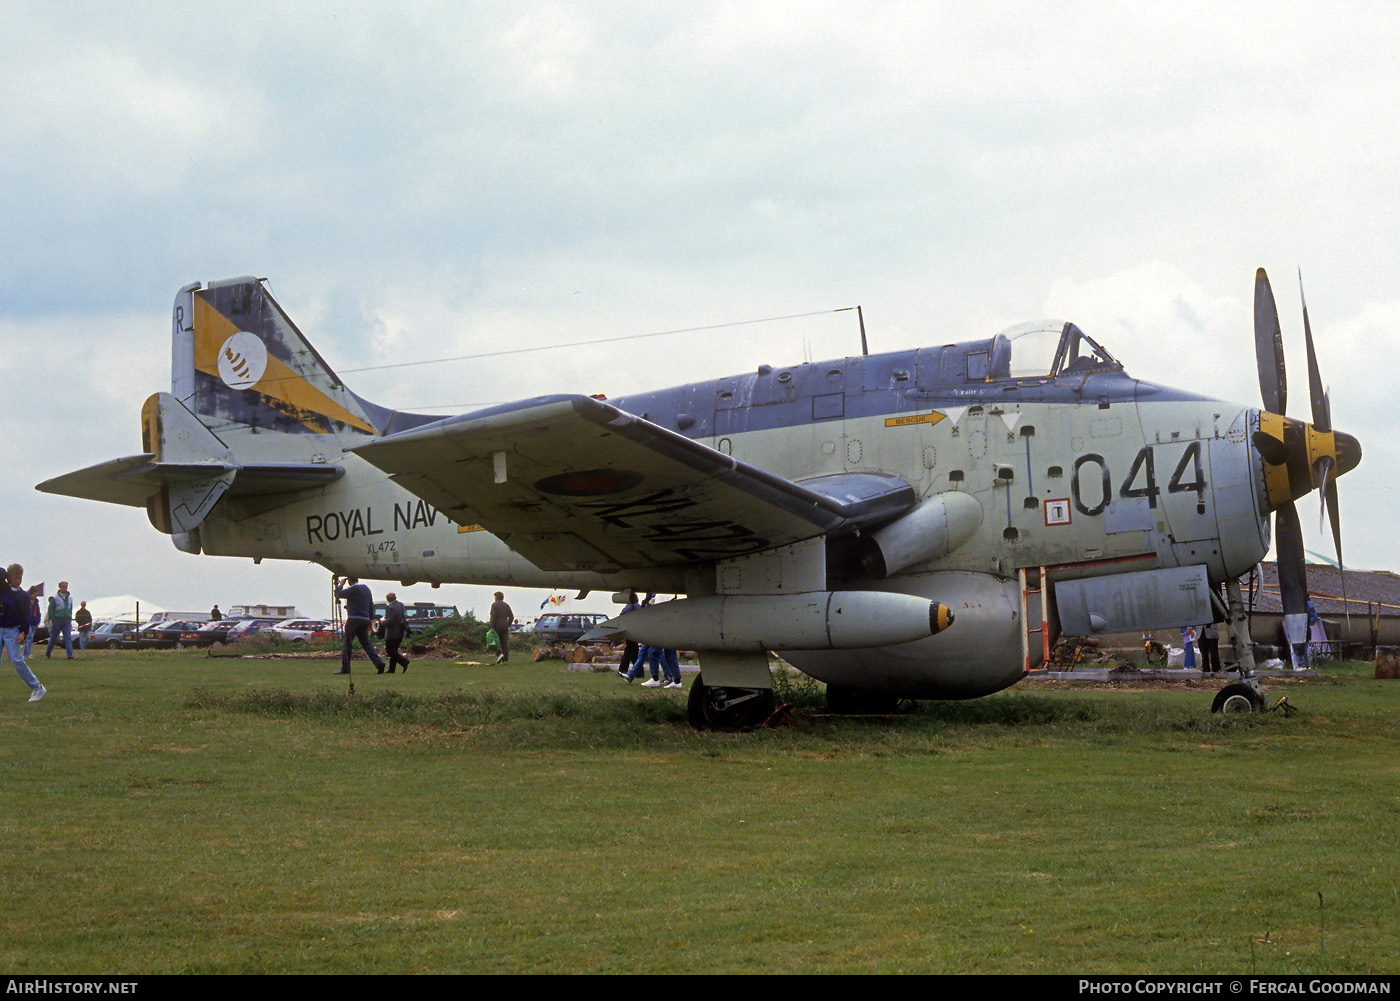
{"points": [[814, 620]]}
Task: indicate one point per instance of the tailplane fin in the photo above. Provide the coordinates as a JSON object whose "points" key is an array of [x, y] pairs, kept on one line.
{"points": [[254, 412], [243, 368]]}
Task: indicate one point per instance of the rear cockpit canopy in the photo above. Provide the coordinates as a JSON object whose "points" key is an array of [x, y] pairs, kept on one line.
{"points": [[1045, 349]]}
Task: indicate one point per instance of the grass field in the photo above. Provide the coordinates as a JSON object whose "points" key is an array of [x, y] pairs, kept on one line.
{"points": [[175, 813]]}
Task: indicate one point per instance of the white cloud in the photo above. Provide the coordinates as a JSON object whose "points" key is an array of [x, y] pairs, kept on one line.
{"points": [[1166, 327]]}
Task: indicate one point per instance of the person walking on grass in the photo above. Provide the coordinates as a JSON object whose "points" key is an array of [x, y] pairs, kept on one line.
{"points": [[502, 618], [359, 612], [14, 625], [629, 647], [82, 618], [647, 657], [61, 620], [395, 629]]}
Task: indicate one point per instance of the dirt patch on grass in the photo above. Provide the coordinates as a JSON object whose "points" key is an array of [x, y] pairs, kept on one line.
{"points": [[1129, 682]]}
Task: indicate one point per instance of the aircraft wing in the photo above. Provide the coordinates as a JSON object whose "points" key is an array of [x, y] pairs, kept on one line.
{"points": [[573, 483]]}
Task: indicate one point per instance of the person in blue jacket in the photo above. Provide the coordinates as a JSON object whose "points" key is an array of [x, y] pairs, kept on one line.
{"points": [[359, 613], [14, 624]]}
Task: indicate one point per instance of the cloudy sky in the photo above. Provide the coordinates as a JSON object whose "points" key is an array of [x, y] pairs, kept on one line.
{"points": [[437, 180]]}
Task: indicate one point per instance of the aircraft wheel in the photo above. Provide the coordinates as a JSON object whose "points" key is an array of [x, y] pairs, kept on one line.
{"points": [[1237, 698], [855, 702], [727, 708]]}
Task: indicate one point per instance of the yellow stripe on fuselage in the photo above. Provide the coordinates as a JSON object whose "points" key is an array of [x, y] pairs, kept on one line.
{"points": [[930, 418]]}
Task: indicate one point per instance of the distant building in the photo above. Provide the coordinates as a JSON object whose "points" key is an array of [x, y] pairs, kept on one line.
{"points": [[265, 611], [1372, 602]]}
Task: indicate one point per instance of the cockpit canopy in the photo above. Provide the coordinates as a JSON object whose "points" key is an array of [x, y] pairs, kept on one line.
{"points": [[1045, 349]]}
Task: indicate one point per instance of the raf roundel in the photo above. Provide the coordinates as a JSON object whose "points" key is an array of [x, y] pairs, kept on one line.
{"points": [[242, 360]]}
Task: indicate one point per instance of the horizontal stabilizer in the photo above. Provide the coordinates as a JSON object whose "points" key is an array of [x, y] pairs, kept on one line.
{"points": [[133, 480], [126, 481], [187, 487], [184, 471]]}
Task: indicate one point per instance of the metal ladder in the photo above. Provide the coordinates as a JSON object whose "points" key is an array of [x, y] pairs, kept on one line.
{"points": [[1027, 589]]}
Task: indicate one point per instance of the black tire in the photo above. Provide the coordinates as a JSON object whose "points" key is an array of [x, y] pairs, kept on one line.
{"points": [[1237, 698], [728, 709]]}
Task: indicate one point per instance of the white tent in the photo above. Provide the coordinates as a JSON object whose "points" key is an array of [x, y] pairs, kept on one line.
{"points": [[122, 606]]}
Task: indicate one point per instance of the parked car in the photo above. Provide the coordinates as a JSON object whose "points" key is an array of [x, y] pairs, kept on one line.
{"points": [[110, 635], [416, 616], [219, 633], [212, 633], [297, 630], [164, 636], [243, 628], [197, 634], [566, 627]]}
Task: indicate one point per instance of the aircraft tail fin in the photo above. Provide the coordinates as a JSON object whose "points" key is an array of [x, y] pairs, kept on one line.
{"points": [[242, 368], [254, 412]]}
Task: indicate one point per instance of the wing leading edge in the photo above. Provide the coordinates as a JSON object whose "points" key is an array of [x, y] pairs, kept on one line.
{"points": [[573, 483]]}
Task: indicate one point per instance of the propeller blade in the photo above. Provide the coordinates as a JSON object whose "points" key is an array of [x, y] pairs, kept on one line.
{"points": [[1321, 401], [1321, 404], [1268, 347], [1275, 452], [1324, 471], [1292, 576], [1330, 494], [1292, 570]]}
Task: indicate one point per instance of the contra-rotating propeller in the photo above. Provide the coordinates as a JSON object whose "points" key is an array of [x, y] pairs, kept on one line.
{"points": [[1297, 456]]}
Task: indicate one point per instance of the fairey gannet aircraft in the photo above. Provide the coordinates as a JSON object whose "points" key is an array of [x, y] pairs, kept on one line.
{"points": [[917, 524]]}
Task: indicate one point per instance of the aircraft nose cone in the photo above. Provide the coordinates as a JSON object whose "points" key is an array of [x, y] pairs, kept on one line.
{"points": [[1348, 452]]}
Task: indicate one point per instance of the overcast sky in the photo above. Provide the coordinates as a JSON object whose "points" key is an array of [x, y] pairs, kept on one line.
{"points": [[434, 180]]}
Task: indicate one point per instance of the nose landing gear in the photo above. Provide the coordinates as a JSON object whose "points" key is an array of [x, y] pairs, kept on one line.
{"points": [[1237, 697]]}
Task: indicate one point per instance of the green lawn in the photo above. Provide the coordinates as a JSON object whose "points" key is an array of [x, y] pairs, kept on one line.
{"points": [[170, 812]]}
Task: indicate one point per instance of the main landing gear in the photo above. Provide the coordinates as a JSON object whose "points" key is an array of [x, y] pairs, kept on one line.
{"points": [[719, 708]]}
